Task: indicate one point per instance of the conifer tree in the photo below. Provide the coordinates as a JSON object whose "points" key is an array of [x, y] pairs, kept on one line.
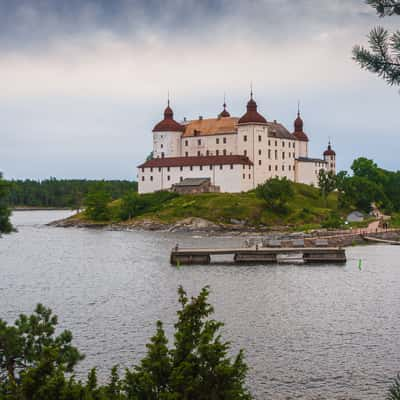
{"points": [[383, 56], [5, 224]]}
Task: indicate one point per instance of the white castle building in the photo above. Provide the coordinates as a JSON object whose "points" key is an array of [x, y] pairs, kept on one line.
{"points": [[236, 154]]}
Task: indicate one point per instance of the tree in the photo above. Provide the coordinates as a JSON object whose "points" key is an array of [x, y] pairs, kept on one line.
{"points": [[394, 390], [326, 182], [37, 365], [383, 57], [198, 367], [5, 212], [276, 193], [97, 204], [131, 205], [31, 356]]}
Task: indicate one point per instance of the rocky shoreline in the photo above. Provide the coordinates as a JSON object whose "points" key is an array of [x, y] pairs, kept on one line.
{"points": [[253, 235]]}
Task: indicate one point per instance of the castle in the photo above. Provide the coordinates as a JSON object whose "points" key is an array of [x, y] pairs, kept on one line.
{"points": [[234, 154]]}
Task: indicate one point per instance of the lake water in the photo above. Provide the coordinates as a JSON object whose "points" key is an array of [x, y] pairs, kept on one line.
{"points": [[309, 332]]}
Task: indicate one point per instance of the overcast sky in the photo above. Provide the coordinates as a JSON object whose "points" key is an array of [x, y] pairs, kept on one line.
{"points": [[82, 83]]}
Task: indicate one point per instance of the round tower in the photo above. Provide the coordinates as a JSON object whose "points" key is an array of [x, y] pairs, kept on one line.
{"points": [[167, 136], [330, 158], [300, 136]]}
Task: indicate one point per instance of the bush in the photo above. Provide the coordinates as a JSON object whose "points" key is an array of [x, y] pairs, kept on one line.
{"points": [[276, 193], [97, 204], [332, 221]]}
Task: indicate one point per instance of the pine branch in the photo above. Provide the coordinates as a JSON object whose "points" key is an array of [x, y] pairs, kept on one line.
{"points": [[385, 7]]}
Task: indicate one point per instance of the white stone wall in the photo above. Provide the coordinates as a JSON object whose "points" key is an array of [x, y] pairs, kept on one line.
{"points": [[272, 157], [307, 172], [301, 148], [166, 144], [331, 161], [209, 145], [230, 178]]}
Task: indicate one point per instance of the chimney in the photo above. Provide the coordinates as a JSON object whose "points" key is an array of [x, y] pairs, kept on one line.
{"points": [[200, 117]]}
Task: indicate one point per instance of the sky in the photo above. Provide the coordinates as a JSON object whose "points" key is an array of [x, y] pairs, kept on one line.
{"points": [[83, 82]]}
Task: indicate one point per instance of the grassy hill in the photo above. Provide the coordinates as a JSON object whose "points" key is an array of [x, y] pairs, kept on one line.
{"points": [[306, 209]]}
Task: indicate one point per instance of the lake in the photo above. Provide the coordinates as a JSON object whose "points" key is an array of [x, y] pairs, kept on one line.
{"points": [[309, 332]]}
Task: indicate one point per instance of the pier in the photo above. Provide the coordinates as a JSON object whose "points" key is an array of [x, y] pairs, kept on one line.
{"points": [[258, 255]]}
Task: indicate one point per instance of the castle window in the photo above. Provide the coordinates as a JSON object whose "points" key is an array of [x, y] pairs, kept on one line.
{"points": [[181, 178], [269, 143], [151, 169], [217, 140], [201, 168], [283, 167], [221, 167], [259, 152], [210, 167], [276, 168], [186, 142], [168, 169], [245, 152], [294, 167], [244, 166], [181, 168], [283, 155], [162, 155], [290, 168], [208, 152], [224, 152], [259, 138], [259, 162], [151, 178], [162, 146], [168, 178], [283, 143], [142, 178], [276, 154], [198, 154], [269, 168], [244, 176], [269, 154], [224, 140], [276, 143], [245, 138], [249, 176], [199, 142], [142, 169], [294, 155], [159, 169], [217, 152], [191, 167]]}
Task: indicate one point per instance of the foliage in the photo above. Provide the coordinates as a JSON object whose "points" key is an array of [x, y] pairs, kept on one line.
{"points": [[333, 221], [131, 205], [32, 358], [326, 182], [369, 184], [97, 204], [37, 365], [5, 212], [61, 193], [383, 57], [394, 390], [276, 193]]}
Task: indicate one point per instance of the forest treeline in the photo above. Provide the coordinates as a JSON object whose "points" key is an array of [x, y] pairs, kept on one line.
{"points": [[61, 192]]}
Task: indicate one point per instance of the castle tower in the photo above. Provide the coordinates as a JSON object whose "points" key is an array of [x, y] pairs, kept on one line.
{"points": [[252, 127], [167, 136], [330, 158], [301, 137]]}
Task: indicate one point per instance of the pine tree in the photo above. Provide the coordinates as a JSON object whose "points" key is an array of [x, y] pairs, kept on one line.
{"points": [[5, 224], [383, 56]]}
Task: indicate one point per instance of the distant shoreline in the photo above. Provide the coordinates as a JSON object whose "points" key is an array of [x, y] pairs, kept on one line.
{"points": [[40, 209]]}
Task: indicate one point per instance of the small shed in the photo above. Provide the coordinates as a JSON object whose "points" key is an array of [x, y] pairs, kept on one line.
{"points": [[194, 185], [355, 216]]}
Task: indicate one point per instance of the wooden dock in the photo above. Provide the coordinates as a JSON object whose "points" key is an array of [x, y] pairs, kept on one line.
{"points": [[258, 255], [384, 241]]}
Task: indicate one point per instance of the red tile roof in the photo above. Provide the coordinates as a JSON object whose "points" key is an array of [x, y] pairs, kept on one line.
{"points": [[252, 115], [198, 160], [168, 124]]}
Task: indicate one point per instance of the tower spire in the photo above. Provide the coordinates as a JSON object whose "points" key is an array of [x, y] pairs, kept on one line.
{"points": [[298, 108], [251, 90], [168, 98]]}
